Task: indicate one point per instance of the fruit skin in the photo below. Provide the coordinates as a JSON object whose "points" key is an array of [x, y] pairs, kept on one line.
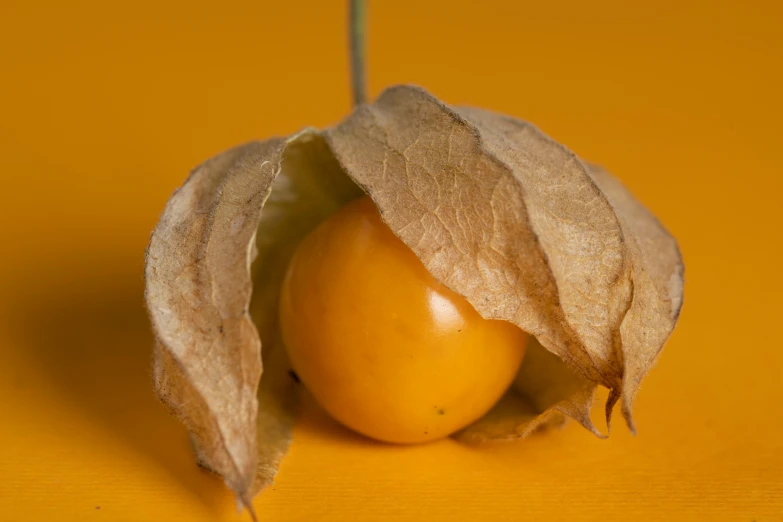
{"points": [[384, 347]]}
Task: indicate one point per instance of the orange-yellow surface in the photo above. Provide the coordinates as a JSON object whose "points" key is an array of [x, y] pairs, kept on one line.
{"points": [[105, 106]]}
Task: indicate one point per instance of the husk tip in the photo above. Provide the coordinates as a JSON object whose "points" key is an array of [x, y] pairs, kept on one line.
{"points": [[626, 408], [244, 502]]}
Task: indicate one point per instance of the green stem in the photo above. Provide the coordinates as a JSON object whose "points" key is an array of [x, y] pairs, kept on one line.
{"points": [[356, 29]]}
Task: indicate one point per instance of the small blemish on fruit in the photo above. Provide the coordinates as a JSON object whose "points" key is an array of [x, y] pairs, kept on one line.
{"points": [[294, 376], [441, 411], [220, 329]]}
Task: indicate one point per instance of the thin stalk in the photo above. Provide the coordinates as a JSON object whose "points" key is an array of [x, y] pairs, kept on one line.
{"points": [[357, 24]]}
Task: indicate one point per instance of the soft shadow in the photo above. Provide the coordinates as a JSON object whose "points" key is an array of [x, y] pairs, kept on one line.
{"points": [[91, 339], [313, 420], [317, 423]]}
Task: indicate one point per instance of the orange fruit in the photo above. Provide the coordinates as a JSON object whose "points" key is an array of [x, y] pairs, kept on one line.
{"points": [[383, 346]]}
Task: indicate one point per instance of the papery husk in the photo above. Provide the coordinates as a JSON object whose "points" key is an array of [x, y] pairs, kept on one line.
{"points": [[495, 210]]}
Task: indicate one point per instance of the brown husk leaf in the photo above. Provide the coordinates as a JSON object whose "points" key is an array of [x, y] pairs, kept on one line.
{"points": [[496, 210]]}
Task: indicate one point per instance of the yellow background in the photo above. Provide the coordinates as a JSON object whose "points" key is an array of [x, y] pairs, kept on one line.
{"points": [[105, 106]]}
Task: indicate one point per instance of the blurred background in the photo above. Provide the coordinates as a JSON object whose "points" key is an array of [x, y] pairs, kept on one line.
{"points": [[106, 106]]}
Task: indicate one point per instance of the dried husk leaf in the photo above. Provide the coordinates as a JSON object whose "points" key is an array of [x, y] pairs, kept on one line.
{"points": [[521, 227], [658, 277], [495, 210], [207, 362]]}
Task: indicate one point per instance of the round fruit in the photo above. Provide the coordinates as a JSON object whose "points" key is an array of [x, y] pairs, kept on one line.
{"points": [[384, 347]]}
